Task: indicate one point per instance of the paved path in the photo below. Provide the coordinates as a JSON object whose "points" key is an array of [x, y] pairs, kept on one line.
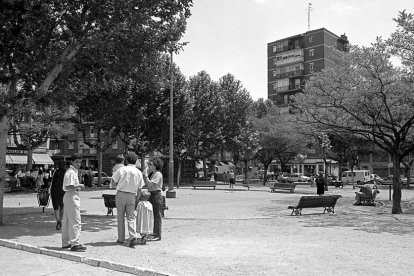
{"points": [[234, 232]]}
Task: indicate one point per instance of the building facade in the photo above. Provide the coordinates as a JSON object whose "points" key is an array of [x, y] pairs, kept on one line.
{"points": [[292, 60]]}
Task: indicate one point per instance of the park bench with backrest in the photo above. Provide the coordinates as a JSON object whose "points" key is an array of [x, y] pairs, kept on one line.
{"points": [[327, 202], [370, 201], [204, 183], [288, 186]]}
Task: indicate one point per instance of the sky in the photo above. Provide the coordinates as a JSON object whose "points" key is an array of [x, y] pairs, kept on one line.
{"points": [[231, 36]]}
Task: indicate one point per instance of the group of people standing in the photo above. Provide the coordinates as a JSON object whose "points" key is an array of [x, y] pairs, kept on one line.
{"points": [[142, 208]]}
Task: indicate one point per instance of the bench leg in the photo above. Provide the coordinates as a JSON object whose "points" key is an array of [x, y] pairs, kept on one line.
{"points": [[296, 211], [329, 210]]}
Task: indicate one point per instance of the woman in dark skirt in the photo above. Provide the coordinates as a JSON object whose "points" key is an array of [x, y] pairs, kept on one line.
{"points": [[57, 193], [320, 184]]}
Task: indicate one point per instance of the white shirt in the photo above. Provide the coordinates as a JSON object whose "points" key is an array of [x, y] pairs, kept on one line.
{"points": [[70, 178], [129, 179]]}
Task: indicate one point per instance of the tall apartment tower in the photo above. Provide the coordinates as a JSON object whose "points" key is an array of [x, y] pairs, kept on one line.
{"points": [[294, 59]]}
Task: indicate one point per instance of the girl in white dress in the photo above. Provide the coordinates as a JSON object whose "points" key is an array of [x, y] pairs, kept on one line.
{"points": [[145, 217]]}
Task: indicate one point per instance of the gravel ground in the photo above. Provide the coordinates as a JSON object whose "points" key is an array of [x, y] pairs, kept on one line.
{"points": [[239, 232]]}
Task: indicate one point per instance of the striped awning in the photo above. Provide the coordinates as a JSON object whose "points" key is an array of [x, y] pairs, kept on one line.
{"points": [[16, 159], [42, 159]]}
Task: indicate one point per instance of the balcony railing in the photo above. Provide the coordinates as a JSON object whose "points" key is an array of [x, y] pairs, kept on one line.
{"points": [[290, 74], [287, 88]]}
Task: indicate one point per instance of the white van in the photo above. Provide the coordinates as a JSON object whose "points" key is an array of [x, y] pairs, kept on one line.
{"points": [[359, 177]]}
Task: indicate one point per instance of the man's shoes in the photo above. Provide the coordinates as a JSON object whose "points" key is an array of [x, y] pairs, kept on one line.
{"points": [[133, 242], [78, 247], [357, 204], [66, 246], [118, 241], [155, 238]]}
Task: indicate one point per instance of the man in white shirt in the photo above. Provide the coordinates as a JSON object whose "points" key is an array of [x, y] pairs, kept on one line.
{"points": [[129, 182], [71, 223]]}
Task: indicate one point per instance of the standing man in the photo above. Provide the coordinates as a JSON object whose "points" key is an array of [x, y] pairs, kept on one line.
{"points": [[71, 224], [129, 182]]}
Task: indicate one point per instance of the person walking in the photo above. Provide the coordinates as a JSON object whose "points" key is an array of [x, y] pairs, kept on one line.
{"points": [[71, 224], [154, 182], [57, 193], [320, 184], [145, 217], [129, 182], [231, 179]]}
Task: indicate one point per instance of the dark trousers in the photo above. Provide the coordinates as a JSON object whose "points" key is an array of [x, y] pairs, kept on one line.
{"points": [[156, 201]]}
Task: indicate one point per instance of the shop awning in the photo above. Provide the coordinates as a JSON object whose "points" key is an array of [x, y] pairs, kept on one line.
{"points": [[42, 159], [16, 159]]}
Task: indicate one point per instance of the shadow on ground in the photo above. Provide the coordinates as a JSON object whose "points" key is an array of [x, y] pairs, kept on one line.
{"points": [[372, 219], [20, 221]]}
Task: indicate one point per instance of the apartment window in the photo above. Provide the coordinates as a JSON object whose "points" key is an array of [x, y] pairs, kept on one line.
{"points": [[274, 49], [311, 65], [285, 99], [274, 73], [274, 85], [71, 145], [311, 52], [310, 39], [297, 83], [296, 44]]}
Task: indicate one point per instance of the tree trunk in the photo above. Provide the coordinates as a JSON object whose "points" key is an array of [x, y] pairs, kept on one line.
{"points": [[29, 158], [99, 166], [3, 147], [396, 193]]}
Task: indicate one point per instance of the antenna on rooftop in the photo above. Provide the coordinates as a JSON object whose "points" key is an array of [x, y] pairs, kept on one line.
{"points": [[309, 10]]}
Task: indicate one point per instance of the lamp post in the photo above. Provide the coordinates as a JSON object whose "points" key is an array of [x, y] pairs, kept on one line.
{"points": [[171, 193]]}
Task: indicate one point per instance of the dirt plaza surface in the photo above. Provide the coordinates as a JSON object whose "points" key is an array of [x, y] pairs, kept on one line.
{"points": [[239, 232]]}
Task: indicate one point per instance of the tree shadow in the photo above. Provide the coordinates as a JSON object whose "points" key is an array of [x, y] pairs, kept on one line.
{"points": [[372, 219], [23, 221]]}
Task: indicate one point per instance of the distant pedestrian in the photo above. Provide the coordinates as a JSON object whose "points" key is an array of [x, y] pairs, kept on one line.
{"points": [[145, 217], [231, 179], [57, 192], [320, 184], [39, 181], [71, 224], [129, 182], [154, 182]]}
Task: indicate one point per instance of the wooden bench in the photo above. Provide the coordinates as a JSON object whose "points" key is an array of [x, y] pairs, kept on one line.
{"points": [[370, 201], [328, 202], [203, 184], [283, 186]]}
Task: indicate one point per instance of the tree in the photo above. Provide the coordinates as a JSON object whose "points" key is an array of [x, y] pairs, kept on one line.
{"points": [[206, 129], [365, 95], [41, 41]]}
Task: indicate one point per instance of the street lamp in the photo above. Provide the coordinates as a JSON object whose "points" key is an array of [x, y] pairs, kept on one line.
{"points": [[171, 193]]}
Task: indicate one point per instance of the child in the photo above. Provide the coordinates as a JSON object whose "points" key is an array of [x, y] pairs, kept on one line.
{"points": [[145, 217]]}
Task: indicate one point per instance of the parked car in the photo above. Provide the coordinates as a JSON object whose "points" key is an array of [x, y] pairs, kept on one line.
{"points": [[300, 177], [358, 176], [105, 179], [403, 179], [376, 177]]}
